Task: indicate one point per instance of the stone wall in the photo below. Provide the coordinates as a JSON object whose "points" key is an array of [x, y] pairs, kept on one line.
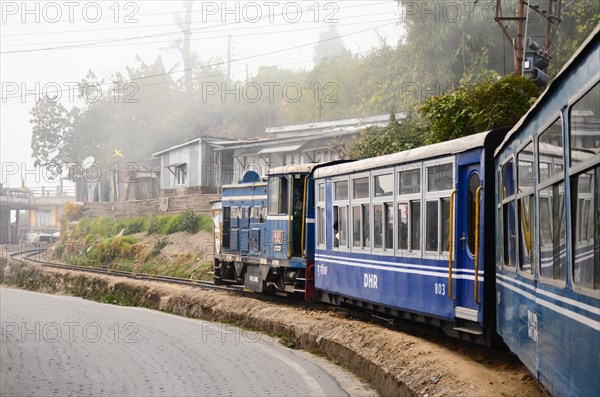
{"points": [[199, 203]]}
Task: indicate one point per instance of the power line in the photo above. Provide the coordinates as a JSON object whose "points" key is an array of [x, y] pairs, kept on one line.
{"points": [[224, 62], [217, 31], [174, 12], [166, 24]]}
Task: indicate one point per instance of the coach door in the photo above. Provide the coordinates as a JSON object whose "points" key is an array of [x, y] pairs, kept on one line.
{"points": [[469, 198]]}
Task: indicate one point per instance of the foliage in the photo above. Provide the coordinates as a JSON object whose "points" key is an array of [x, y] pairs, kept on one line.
{"points": [[72, 211], [438, 50], [395, 137], [469, 110]]}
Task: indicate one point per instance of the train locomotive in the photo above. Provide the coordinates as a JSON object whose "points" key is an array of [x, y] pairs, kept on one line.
{"points": [[495, 235]]}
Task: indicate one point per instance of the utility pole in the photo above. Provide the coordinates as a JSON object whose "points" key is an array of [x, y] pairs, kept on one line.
{"points": [[186, 28], [542, 53], [229, 58]]}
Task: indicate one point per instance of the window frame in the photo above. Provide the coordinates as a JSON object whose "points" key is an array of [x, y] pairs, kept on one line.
{"points": [[439, 196], [321, 226], [409, 199], [506, 201], [384, 201], [339, 203], [546, 184], [585, 89], [530, 192], [360, 202], [574, 172]]}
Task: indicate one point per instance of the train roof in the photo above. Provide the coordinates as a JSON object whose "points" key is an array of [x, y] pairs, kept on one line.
{"points": [[551, 89], [421, 153], [293, 169]]}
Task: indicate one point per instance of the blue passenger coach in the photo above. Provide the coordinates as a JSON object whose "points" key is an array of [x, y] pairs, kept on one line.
{"points": [[403, 234], [548, 219]]}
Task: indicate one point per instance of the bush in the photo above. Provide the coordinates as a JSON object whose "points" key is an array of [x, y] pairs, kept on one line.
{"points": [[189, 222], [132, 226]]}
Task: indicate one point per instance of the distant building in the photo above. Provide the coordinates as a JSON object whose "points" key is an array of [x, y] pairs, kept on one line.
{"points": [[193, 167], [132, 180], [205, 164]]}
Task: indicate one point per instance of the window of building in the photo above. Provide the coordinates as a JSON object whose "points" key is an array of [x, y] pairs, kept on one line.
{"points": [[584, 123], [278, 195], [180, 174]]}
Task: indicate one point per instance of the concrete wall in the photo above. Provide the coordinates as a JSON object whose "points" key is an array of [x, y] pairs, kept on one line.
{"points": [[199, 203]]}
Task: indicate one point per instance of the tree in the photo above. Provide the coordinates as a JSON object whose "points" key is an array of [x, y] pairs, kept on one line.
{"points": [[51, 135], [469, 110], [395, 137]]}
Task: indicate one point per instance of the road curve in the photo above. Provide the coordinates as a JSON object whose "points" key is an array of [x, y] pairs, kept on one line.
{"points": [[59, 345]]}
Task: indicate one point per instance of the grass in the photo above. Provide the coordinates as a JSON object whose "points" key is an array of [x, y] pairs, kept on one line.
{"points": [[160, 224], [107, 243]]}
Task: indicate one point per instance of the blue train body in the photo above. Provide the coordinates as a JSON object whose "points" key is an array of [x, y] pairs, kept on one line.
{"points": [[488, 236], [548, 216]]}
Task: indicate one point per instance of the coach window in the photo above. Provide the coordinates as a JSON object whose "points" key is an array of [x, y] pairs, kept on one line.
{"points": [[551, 195], [525, 210], [586, 228], [383, 212], [509, 228], [409, 209], [437, 207], [320, 214], [474, 183], [278, 195], [585, 188], [583, 127], [340, 214], [226, 227], [360, 213], [499, 229]]}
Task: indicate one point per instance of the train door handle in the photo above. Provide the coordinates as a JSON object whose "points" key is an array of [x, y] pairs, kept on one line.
{"points": [[463, 238]]}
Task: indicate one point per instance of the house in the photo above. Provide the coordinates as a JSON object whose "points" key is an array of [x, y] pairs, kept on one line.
{"points": [[204, 164], [193, 167]]}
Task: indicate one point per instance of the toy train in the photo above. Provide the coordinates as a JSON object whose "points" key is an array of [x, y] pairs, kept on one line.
{"points": [[492, 235]]}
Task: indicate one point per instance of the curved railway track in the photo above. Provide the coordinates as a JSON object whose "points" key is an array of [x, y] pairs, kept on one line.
{"points": [[36, 255]]}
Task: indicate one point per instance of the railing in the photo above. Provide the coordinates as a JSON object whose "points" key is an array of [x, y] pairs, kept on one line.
{"points": [[52, 191], [14, 193]]}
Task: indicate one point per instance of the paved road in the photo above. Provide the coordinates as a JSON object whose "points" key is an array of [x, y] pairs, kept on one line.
{"points": [[57, 345]]}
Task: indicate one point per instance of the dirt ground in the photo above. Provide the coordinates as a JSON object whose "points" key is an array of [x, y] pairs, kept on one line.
{"points": [[181, 243], [394, 362]]}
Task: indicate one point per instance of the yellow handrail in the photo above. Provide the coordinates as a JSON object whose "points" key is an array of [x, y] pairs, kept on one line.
{"points": [[451, 244], [289, 231], [304, 201], [476, 290]]}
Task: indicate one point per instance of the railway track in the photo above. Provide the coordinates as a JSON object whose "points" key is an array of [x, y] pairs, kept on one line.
{"points": [[36, 255]]}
